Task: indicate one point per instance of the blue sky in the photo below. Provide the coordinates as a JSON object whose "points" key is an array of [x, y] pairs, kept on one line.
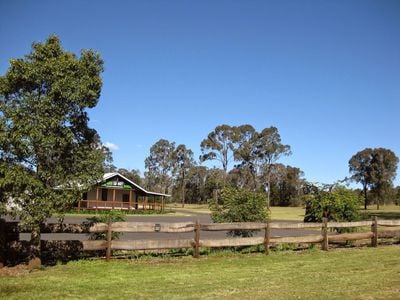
{"points": [[325, 73]]}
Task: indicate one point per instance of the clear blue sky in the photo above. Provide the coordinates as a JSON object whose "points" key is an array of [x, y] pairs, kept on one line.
{"points": [[326, 73]]}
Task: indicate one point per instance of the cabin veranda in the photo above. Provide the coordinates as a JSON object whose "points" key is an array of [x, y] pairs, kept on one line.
{"points": [[118, 192]]}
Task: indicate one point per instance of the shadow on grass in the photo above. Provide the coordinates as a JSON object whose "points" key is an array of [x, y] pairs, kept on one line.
{"points": [[385, 215]]}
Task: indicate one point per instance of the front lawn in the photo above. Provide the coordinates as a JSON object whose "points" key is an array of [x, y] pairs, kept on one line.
{"points": [[365, 273]]}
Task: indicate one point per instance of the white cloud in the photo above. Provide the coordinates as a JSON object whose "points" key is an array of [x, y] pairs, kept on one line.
{"points": [[111, 146]]}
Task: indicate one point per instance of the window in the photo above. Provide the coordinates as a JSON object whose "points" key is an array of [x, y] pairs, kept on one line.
{"points": [[84, 196]]}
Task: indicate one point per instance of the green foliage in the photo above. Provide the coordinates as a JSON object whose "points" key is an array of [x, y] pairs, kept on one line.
{"points": [[133, 175], [159, 165], [48, 153], [108, 216], [337, 204], [182, 160], [397, 196], [286, 186], [239, 206], [284, 247], [219, 145], [374, 169], [111, 215]]}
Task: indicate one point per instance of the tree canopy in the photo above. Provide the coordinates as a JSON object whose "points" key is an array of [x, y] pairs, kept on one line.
{"points": [[219, 145], [375, 169], [159, 164], [334, 202], [48, 152], [182, 160]]}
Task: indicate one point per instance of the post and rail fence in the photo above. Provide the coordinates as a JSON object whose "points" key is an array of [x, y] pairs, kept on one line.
{"points": [[323, 236]]}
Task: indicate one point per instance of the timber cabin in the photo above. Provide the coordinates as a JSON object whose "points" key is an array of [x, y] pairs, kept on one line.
{"points": [[116, 191]]}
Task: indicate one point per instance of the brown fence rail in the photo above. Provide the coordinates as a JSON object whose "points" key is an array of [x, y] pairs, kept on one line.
{"points": [[324, 236]]}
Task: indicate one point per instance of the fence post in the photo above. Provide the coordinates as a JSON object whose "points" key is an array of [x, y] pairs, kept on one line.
{"points": [[267, 237], [374, 229], [325, 241], [196, 252], [109, 239]]}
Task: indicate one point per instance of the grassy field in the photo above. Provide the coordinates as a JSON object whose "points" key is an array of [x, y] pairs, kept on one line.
{"points": [[197, 208], [277, 213], [287, 213], [385, 212], [365, 273], [297, 213]]}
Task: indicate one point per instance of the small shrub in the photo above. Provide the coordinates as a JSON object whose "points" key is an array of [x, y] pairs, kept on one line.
{"points": [[108, 216], [284, 247], [339, 204], [239, 206]]}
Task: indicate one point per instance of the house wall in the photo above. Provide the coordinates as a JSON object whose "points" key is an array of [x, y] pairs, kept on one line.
{"points": [[91, 195], [144, 202]]}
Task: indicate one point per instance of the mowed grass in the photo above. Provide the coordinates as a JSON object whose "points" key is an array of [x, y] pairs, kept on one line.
{"points": [[365, 273], [195, 208], [277, 212], [390, 211], [287, 213], [297, 213]]}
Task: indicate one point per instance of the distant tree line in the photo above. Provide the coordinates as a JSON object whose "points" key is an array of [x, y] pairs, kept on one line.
{"points": [[249, 160]]}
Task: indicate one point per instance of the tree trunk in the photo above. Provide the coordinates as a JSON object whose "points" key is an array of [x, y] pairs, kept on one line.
{"points": [[34, 249], [365, 197], [183, 194], [379, 199], [269, 188], [215, 195], [254, 177]]}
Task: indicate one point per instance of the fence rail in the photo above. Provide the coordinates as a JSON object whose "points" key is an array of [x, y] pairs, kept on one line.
{"points": [[323, 237]]}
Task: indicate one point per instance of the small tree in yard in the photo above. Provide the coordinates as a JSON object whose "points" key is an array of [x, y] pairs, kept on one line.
{"points": [[239, 206], [336, 203], [48, 153]]}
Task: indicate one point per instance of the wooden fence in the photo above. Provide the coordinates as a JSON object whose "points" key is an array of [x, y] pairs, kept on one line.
{"points": [[323, 236]]}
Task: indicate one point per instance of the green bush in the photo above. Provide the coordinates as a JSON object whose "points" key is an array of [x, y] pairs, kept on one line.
{"points": [[236, 205], [105, 217], [339, 204]]}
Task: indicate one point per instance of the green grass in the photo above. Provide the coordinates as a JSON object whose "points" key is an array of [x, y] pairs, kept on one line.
{"points": [[190, 208], [385, 212], [277, 213], [365, 273], [287, 213]]}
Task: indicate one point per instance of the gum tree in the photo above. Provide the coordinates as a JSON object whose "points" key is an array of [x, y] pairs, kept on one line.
{"points": [[375, 168], [159, 165], [182, 162], [219, 145]]}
